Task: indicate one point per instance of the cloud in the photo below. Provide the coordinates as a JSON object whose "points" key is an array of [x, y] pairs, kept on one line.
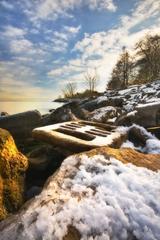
{"points": [[21, 45], [60, 39], [6, 5], [72, 30], [11, 31], [49, 9], [102, 49], [19, 82]]}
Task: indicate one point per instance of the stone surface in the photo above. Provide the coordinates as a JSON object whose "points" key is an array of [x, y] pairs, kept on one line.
{"points": [[20, 125], [13, 166], [45, 218], [68, 112], [79, 136]]}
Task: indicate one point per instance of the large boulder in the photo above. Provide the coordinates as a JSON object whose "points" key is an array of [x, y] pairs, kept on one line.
{"points": [[12, 169], [105, 114], [146, 115], [20, 125], [68, 112], [93, 196]]}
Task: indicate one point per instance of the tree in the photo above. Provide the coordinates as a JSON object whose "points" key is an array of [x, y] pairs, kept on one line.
{"points": [[70, 90], [148, 63], [122, 71], [91, 81]]}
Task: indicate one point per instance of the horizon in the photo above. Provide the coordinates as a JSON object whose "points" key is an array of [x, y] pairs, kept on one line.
{"points": [[46, 44]]}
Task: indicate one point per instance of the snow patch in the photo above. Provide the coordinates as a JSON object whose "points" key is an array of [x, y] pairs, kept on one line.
{"points": [[104, 199]]}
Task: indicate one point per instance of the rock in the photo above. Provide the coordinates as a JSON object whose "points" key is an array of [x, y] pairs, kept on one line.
{"points": [[43, 162], [3, 114], [32, 192], [127, 119], [104, 114], [79, 136], [68, 112], [21, 125], [13, 166], [137, 136], [90, 191], [103, 101], [155, 131], [40, 158], [148, 114]]}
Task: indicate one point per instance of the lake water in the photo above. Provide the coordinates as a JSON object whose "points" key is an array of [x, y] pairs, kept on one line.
{"points": [[17, 107]]}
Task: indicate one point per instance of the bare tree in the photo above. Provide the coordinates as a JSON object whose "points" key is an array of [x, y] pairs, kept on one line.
{"points": [[70, 90], [91, 80]]}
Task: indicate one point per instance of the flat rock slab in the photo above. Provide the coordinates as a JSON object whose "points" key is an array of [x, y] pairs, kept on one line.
{"points": [[80, 135]]}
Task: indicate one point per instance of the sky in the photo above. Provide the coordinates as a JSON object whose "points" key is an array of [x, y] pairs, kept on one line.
{"points": [[44, 44]]}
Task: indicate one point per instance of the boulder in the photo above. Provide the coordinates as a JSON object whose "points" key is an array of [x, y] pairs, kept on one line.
{"points": [[78, 136], [43, 160], [93, 196], [13, 166], [103, 101], [20, 125], [68, 112], [146, 115], [3, 114], [104, 114]]}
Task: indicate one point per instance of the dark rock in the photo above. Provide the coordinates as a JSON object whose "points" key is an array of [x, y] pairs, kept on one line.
{"points": [[33, 191], [21, 125], [43, 162], [68, 112], [3, 114]]}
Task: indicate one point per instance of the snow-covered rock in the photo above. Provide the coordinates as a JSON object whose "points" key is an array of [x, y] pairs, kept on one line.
{"points": [[104, 114], [130, 99], [93, 196]]}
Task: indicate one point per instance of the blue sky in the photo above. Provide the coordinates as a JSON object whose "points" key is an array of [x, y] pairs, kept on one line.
{"points": [[46, 43]]}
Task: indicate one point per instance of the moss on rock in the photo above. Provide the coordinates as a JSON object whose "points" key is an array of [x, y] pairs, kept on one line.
{"points": [[13, 165]]}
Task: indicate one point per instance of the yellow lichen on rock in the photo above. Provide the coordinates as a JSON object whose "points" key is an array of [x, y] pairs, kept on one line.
{"points": [[128, 155], [13, 165]]}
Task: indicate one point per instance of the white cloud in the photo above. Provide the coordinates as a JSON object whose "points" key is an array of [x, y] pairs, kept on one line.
{"points": [[6, 5], [102, 49], [49, 9], [72, 30], [60, 39], [21, 45], [11, 31]]}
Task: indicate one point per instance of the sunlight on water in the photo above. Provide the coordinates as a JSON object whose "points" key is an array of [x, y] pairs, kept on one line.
{"points": [[17, 107]]}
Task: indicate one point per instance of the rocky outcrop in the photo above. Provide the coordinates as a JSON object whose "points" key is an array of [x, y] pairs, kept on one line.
{"points": [[147, 115], [104, 114], [12, 169], [68, 112], [21, 125], [94, 195]]}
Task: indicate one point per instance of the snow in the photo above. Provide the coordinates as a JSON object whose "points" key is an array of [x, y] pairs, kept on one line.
{"points": [[103, 112], [152, 143], [101, 197], [133, 113], [102, 99]]}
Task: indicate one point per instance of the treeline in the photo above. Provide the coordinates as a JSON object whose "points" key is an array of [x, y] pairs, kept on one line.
{"points": [[141, 67], [90, 84]]}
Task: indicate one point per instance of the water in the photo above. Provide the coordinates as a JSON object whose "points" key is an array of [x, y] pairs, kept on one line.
{"points": [[17, 107]]}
